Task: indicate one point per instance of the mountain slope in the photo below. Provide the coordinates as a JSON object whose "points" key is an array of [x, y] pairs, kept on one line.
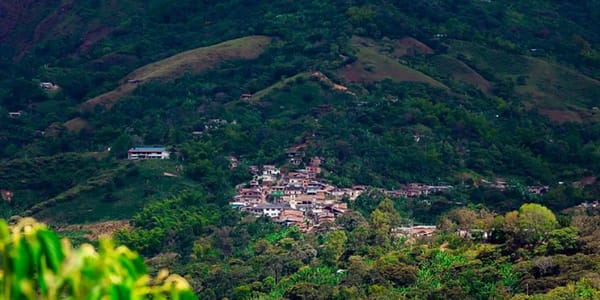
{"points": [[373, 66], [542, 83], [458, 70], [437, 112], [194, 61]]}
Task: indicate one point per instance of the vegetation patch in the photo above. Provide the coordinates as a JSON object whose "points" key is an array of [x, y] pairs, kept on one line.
{"points": [[410, 46], [560, 116], [195, 61], [115, 194], [458, 70], [94, 231], [547, 85], [278, 85], [406, 46], [373, 66], [300, 78], [76, 124], [553, 86]]}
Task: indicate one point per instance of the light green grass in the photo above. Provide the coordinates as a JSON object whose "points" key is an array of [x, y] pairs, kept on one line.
{"points": [[374, 66]]}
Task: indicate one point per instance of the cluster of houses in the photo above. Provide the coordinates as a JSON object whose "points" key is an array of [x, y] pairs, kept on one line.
{"points": [[299, 197], [593, 204], [414, 231], [210, 125], [296, 197], [412, 190], [503, 185]]}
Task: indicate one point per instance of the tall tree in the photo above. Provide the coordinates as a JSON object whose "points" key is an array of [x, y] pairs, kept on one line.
{"points": [[535, 223]]}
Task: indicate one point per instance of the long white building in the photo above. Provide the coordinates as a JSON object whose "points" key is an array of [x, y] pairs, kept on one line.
{"points": [[148, 153]]}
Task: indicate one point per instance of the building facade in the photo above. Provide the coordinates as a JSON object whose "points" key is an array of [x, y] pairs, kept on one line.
{"points": [[148, 153]]}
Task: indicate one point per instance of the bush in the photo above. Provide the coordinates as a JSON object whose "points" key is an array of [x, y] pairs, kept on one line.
{"points": [[36, 264]]}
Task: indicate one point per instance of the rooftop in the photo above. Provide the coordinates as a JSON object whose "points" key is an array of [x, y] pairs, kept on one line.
{"points": [[148, 149], [269, 206]]}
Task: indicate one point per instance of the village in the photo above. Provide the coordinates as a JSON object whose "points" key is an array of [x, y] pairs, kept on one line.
{"points": [[297, 197], [301, 198]]}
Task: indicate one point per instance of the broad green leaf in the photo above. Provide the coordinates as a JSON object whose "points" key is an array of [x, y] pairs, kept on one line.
{"points": [[51, 248]]}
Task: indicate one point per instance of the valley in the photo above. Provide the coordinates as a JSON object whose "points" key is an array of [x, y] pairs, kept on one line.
{"points": [[301, 150]]}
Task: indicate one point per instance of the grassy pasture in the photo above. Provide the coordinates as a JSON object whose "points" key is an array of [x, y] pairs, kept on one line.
{"points": [[196, 61]]}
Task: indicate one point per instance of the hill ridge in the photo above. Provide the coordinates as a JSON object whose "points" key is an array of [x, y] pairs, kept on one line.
{"points": [[196, 60]]}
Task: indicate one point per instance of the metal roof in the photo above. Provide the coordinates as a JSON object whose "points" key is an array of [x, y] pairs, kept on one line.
{"points": [[148, 149]]}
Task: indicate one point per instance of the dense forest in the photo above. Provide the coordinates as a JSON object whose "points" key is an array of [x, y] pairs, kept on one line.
{"points": [[496, 99]]}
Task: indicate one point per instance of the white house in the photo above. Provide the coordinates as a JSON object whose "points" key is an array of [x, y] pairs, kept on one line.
{"points": [[148, 153], [271, 170], [267, 209], [48, 86]]}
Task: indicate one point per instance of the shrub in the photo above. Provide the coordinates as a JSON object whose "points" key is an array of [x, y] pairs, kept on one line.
{"points": [[36, 264]]}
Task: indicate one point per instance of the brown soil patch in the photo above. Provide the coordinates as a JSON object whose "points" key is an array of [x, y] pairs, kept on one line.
{"points": [[53, 130], [76, 125], [584, 181], [444, 246], [97, 230], [163, 260], [110, 98], [92, 37], [410, 46], [560, 116], [362, 41]]}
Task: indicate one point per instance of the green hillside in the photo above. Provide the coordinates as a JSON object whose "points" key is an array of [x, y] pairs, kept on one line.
{"points": [[195, 61], [544, 84], [114, 195], [372, 66], [457, 70]]}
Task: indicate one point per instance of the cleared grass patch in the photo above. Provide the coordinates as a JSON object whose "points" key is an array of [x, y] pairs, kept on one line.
{"points": [[406, 46], [374, 66], [561, 93], [76, 124], [93, 231], [497, 62], [555, 86], [300, 76], [196, 61], [460, 71], [278, 85]]}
